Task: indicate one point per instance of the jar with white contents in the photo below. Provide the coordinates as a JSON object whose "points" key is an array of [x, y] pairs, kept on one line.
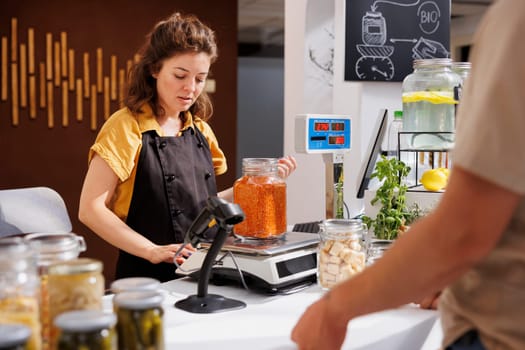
{"points": [[342, 252]]}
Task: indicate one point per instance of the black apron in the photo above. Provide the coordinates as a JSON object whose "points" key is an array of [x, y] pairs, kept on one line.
{"points": [[174, 178]]}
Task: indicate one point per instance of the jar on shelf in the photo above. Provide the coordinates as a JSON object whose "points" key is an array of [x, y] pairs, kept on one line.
{"points": [[139, 320], [429, 104], [261, 194], [14, 336], [50, 248], [20, 288], [86, 329], [342, 252], [76, 284]]}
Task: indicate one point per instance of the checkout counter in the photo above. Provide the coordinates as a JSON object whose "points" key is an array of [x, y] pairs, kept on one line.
{"points": [[263, 318], [267, 321]]}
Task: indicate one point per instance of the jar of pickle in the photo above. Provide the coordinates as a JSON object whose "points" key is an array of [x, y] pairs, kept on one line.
{"points": [[74, 285], [86, 329], [14, 336], [429, 99], [50, 248], [341, 252], [139, 320], [261, 194], [19, 288]]}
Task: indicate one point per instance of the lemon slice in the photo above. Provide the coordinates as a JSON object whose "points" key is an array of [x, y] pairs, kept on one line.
{"points": [[436, 97]]}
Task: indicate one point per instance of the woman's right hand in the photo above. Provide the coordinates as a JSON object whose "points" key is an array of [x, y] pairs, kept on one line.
{"points": [[166, 253]]}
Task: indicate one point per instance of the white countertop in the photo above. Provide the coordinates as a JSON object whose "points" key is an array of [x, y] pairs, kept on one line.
{"points": [[267, 321]]}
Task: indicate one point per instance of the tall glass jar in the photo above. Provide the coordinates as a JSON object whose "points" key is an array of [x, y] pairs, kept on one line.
{"points": [[19, 288], [139, 320], [86, 329], [429, 104], [341, 252], [74, 285], [261, 194], [50, 248]]}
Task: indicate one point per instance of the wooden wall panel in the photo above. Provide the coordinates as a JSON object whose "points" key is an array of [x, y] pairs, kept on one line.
{"points": [[58, 156]]}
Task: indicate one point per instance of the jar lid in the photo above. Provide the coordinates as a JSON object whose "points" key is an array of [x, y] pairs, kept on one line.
{"points": [[13, 335], [259, 165], [444, 62], [14, 245], [134, 284], [138, 300], [462, 65], [342, 228], [51, 247], [71, 267], [84, 320]]}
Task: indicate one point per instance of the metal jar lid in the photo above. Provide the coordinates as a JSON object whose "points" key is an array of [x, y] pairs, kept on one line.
{"points": [[84, 321], [140, 300], [71, 267], [133, 284], [13, 335]]}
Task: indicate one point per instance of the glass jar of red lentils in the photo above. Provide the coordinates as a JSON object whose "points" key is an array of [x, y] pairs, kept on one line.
{"points": [[261, 194]]}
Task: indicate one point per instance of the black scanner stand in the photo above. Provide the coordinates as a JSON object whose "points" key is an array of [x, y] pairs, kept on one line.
{"points": [[226, 214]]}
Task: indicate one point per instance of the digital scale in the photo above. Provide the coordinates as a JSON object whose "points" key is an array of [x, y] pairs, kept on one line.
{"points": [[279, 266], [322, 133], [331, 136]]}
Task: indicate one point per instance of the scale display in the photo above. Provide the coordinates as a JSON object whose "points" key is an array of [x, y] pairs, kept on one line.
{"points": [[323, 133]]}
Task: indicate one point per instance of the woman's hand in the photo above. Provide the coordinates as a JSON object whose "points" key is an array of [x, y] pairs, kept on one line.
{"points": [[286, 165], [166, 253]]}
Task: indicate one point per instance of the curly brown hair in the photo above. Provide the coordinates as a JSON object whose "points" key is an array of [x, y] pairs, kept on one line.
{"points": [[178, 34]]}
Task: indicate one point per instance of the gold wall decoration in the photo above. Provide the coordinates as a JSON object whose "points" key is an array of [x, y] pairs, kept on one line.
{"points": [[23, 75], [49, 84], [4, 69]]}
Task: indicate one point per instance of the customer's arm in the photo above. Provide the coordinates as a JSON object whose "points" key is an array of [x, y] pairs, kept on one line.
{"points": [[97, 191], [466, 225]]}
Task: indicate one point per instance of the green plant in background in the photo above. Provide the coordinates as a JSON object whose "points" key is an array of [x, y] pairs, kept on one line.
{"points": [[393, 216]]}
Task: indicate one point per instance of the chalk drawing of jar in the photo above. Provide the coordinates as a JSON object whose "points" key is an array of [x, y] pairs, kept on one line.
{"points": [[373, 29], [375, 63]]}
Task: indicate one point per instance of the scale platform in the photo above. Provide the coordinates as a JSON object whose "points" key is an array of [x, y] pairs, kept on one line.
{"points": [[278, 266]]}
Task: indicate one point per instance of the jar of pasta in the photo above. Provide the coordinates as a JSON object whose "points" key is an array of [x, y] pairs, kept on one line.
{"points": [[50, 248], [261, 194], [14, 336], [74, 285], [19, 288], [86, 329], [342, 252], [139, 320]]}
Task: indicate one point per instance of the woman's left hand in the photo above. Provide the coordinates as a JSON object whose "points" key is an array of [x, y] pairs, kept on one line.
{"points": [[286, 165]]}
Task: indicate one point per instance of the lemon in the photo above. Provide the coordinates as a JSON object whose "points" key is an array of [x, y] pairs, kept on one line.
{"points": [[445, 171], [435, 179], [436, 97]]}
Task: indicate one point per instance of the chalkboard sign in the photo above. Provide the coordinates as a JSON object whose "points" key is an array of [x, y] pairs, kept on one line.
{"points": [[383, 37]]}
